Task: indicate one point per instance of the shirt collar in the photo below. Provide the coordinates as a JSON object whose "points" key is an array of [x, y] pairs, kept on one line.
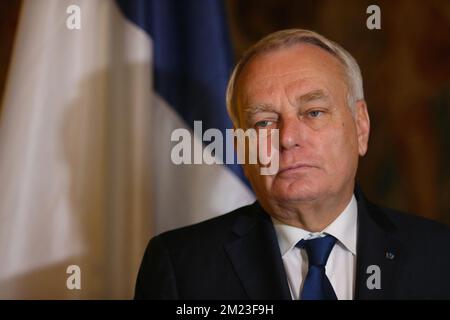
{"points": [[343, 228]]}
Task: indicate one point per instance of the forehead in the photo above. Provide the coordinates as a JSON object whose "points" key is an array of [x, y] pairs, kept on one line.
{"points": [[300, 66]]}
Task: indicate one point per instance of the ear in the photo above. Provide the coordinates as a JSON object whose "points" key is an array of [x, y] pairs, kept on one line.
{"points": [[362, 126]]}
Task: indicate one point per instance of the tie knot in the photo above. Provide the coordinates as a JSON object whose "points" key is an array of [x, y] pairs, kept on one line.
{"points": [[318, 249]]}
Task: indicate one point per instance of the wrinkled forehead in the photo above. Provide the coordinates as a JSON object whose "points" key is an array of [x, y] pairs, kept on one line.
{"points": [[302, 65]]}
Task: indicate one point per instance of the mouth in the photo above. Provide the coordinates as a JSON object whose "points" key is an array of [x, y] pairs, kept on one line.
{"points": [[295, 168]]}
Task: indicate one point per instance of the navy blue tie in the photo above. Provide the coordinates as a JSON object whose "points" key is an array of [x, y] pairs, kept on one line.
{"points": [[316, 285]]}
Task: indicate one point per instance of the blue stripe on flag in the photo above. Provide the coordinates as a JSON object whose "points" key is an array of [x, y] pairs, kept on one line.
{"points": [[192, 57]]}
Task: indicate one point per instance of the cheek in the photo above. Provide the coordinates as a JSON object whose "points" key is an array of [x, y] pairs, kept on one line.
{"points": [[339, 148]]}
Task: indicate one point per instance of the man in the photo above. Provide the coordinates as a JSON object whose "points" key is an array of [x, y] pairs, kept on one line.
{"points": [[311, 234]]}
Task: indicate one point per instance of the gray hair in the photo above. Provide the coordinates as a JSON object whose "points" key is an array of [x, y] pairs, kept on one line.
{"points": [[288, 38]]}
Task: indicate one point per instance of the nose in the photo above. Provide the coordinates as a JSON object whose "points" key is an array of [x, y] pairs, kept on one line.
{"points": [[291, 132]]}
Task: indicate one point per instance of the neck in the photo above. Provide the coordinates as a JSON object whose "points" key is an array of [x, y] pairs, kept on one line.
{"points": [[312, 215]]}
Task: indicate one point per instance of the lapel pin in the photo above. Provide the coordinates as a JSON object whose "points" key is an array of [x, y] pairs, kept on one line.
{"points": [[390, 255]]}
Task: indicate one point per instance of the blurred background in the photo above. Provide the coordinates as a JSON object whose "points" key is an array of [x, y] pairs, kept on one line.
{"points": [[117, 203]]}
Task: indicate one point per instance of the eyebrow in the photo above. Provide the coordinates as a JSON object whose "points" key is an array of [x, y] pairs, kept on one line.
{"points": [[312, 96], [251, 110]]}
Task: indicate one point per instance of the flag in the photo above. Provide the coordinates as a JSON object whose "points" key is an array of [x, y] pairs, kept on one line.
{"points": [[95, 90]]}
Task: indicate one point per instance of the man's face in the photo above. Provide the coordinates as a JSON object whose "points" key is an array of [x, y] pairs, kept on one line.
{"points": [[302, 92]]}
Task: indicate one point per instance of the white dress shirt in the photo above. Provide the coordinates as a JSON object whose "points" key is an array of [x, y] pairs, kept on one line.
{"points": [[341, 264]]}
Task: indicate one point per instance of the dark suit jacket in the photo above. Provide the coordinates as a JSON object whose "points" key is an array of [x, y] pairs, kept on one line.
{"points": [[236, 256]]}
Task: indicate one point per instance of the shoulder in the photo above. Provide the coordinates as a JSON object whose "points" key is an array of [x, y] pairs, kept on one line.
{"points": [[415, 223], [180, 256], [206, 234], [418, 231]]}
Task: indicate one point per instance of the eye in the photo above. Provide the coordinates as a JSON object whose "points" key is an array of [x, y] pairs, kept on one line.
{"points": [[315, 113], [263, 123]]}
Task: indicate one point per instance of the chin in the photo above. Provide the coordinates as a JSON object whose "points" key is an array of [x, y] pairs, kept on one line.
{"points": [[296, 191]]}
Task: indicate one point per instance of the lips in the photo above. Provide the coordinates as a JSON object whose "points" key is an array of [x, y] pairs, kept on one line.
{"points": [[296, 167]]}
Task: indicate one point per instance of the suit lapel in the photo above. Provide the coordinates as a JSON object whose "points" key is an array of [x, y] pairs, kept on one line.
{"points": [[378, 252], [256, 257]]}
